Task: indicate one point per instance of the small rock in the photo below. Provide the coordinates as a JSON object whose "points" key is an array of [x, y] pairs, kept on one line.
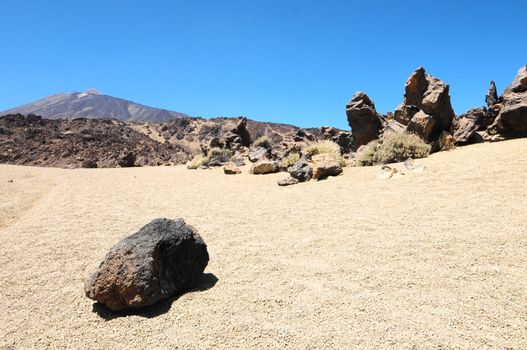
{"points": [[287, 181], [10, 180], [325, 165], [410, 165], [231, 169], [264, 167]]}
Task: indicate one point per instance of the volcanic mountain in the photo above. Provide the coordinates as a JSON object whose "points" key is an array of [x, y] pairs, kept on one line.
{"points": [[94, 105]]}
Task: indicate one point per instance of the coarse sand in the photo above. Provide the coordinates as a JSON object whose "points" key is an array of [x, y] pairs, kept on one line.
{"points": [[428, 260]]}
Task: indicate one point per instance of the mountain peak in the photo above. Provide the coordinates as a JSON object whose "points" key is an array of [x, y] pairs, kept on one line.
{"points": [[92, 91]]}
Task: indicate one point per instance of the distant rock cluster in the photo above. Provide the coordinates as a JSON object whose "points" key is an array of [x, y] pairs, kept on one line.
{"points": [[426, 111]]}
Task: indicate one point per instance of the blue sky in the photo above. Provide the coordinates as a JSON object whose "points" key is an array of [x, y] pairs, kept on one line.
{"points": [[286, 61]]}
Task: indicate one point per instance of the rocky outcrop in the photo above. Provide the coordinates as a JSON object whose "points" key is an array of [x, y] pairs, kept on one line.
{"points": [[162, 259], [365, 122], [426, 107], [511, 119], [325, 165]]}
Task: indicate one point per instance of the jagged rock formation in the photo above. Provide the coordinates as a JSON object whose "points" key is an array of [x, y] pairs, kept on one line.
{"points": [[365, 122], [426, 109], [492, 95], [511, 120]]}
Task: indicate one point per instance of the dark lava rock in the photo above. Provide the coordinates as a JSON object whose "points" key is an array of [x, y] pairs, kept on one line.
{"points": [[259, 153], [365, 122], [301, 170], [492, 95], [162, 259], [464, 127]]}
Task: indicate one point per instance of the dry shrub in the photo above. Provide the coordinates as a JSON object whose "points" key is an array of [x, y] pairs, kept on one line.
{"points": [[263, 141], [393, 148], [325, 147]]}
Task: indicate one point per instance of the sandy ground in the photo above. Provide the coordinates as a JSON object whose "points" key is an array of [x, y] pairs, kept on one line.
{"points": [[430, 260]]}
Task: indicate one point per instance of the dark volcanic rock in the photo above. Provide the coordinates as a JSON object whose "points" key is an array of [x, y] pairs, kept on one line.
{"points": [[422, 125], [162, 259], [511, 120], [301, 170], [430, 95], [365, 122], [492, 95], [259, 153], [464, 127]]}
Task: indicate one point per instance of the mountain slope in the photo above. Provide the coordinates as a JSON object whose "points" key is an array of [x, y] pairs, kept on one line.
{"points": [[92, 104]]}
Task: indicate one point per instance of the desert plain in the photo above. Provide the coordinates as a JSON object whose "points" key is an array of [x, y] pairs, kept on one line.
{"points": [[436, 259]]}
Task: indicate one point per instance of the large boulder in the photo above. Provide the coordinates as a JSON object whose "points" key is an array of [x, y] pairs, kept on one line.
{"points": [[162, 259], [511, 119], [430, 96], [264, 166], [325, 165], [366, 124]]}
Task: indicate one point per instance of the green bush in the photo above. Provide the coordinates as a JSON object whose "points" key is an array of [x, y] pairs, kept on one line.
{"points": [[217, 154], [393, 148], [263, 141]]}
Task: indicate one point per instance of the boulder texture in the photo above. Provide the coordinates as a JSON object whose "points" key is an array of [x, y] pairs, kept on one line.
{"points": [[264, 167], [259, 153], [301, 170], [492, 95], [366, 124], [511, 119], [465, 127], [426, 106], [163, 258], [325, 165], [231, 169]]}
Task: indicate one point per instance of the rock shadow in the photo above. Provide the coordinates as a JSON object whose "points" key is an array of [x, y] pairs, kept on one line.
{"points": [[206, 282]]}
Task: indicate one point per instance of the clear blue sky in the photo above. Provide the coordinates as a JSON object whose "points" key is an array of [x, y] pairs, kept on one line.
{"points": [[291, 61]]}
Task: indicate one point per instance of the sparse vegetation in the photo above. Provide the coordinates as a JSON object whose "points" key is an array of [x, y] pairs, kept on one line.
{"points": [[325, 147], [290, 160], [263, 141], [393, 148], [217, 154], [197, 161]]}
